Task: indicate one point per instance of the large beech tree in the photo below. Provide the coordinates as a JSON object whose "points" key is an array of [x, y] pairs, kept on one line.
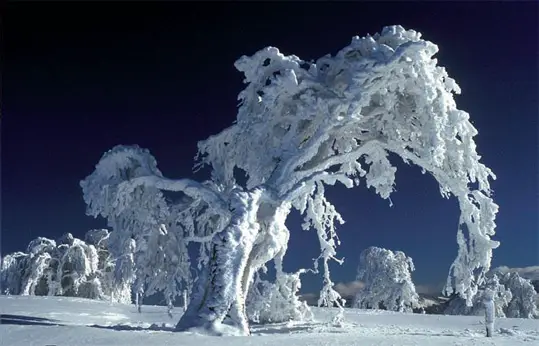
{"points": [[301, 126]]}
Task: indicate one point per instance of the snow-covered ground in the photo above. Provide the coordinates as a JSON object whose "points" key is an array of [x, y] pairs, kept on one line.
{"points": [[73, 321]]}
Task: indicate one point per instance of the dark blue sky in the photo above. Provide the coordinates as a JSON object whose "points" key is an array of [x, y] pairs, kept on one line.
{"points": [[78, 81]]}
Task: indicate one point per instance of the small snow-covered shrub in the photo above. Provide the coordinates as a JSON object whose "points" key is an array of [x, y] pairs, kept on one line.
{"points": [[67, 267], [388, 281], [269, 302]]}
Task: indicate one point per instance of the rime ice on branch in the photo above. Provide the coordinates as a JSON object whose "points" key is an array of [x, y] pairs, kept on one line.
{"points": [[151, 233], [337, 120], [301, 126]]}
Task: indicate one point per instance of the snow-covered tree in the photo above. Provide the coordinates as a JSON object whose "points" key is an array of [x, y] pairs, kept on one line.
{"points": [[523, 301], [301, 126], [513, 297], [151, 231], [78, 263], [491, 289], [387, 278], [11, 272], [535, 284], [162, 265], [68, 267], [104, 280], [276, 302], [37, 263]]}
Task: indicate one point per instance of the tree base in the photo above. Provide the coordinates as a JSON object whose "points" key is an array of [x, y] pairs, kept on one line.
{"points": [[213, 328]]}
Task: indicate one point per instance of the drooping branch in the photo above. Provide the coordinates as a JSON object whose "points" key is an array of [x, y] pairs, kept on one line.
{"points": [[308, 176], [478, 212], [190, 187]]}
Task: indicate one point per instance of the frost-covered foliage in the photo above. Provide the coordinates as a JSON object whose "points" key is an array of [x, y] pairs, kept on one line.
{"points": [[162, 265], [302, 126], [269, 302], [68, 266], [151, 232], [387, 278], [501, 297], [11, 272], [523, 302], [513, 297], [338, 118], [535, 284]]}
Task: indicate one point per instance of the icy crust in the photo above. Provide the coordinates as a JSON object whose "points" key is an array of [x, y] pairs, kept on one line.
{"points": [[336, 119]]}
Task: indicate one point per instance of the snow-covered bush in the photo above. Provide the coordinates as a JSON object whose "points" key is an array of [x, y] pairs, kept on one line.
{"points": [[523, 302], [300, 127], [513, 297], [37, 266], [387, 278], [68, 267], [151, 232], [162, 265], [11, 272], [269, 302], [500, 295]]}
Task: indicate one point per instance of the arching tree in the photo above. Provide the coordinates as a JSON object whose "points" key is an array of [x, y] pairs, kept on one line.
{"points": [[301, 126]]}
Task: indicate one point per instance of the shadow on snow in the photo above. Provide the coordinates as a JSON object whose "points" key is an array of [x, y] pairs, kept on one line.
{"points": [[125, 327], [256, 329], [28, 320]]}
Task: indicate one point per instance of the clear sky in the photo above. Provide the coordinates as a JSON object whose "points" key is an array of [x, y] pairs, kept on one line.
{"points": [[78, 81]]}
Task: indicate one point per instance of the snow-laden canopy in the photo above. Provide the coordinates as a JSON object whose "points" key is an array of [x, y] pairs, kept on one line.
{"points": [[337, 119], [300, 126]]}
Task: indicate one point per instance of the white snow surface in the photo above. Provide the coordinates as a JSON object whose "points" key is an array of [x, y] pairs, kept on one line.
{"points": [[31, 320]]}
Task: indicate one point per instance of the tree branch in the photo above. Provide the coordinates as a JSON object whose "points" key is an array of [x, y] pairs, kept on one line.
{"points": [[303, 178], [190, 187]]}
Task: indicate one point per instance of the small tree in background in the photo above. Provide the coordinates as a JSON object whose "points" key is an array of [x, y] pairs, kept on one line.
{"points": [[269, 302], [523, 302], [67, 267], [388, 282], [499, 294]]}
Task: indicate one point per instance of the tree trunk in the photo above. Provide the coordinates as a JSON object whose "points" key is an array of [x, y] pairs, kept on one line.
{"points": [[137, 302], [184, 302], [219, 290]]}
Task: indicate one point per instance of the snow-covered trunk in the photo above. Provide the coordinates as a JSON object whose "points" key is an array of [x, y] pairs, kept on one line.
{"points": [[184, 295], [272, 240], [37, 271], [170, 306], [219, 290], [138, 301], [489, 312]]}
